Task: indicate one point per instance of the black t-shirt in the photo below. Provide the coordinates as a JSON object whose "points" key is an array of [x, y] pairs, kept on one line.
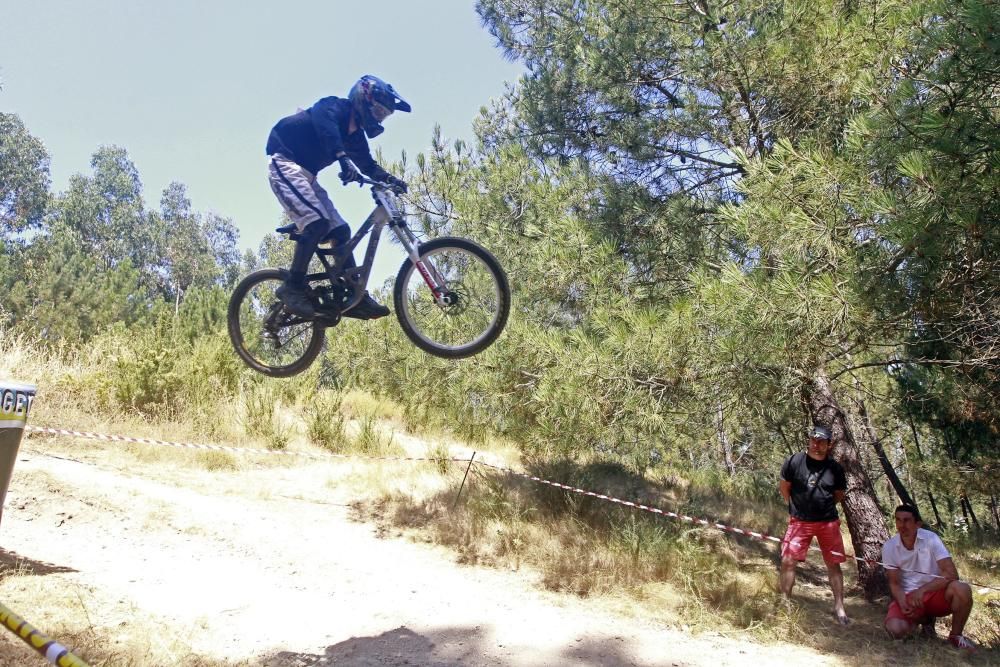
{"points": [[813, 484]]}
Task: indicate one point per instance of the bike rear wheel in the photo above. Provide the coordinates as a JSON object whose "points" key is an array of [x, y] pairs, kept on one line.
{"points": [[473, 303], [266, 336]]}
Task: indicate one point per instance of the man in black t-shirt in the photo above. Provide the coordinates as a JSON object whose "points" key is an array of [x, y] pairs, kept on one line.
{"points": [[812, 484]]}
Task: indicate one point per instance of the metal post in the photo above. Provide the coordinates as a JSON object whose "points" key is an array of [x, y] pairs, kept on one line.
{"points": [[469, 467]]}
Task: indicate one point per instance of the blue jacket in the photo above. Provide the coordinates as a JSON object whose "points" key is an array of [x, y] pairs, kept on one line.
{"points": [[312, 138]]}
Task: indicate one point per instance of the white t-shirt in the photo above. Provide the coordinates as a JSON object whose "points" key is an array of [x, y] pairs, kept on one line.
{"points": [[927, 550]]}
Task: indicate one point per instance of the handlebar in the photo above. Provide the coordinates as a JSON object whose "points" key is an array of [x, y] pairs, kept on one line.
{"points": [[364, 180]]}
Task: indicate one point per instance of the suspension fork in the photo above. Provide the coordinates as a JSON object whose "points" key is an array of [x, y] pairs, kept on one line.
{"points": [[434, 280]]}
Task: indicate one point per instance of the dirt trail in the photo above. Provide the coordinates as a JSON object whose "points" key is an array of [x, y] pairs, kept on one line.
{"points": [[267, 565]]}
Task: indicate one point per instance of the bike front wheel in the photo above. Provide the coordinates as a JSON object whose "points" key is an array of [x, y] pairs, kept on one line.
{"points": [[267, 337], [456, 302]]}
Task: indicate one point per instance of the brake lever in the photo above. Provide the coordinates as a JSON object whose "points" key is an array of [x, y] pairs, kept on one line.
{"points": [[345, 181]]}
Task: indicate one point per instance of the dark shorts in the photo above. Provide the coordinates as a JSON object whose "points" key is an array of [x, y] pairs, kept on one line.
{"points": [[799, 536], [935, 606]]}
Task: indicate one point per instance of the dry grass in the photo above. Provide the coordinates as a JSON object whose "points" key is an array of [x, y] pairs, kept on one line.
{"points": [[108, 632], [693, 578], [698, 579], [358, 404]]}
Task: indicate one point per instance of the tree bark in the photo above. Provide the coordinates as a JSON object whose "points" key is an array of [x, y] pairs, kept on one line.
{"points": [[864, 519]]}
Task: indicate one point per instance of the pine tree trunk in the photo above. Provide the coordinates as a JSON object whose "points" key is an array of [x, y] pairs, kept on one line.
{"points": [[784, 439], [972, 513], [920, 455], [864, 519], [883, 459], [937, 515]]}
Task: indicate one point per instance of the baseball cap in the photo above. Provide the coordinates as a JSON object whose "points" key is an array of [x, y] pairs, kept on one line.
{"points": [[821, 432]]}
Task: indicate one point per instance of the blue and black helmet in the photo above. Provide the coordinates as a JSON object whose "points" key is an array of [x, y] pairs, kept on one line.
{"points": [[374, 100]]}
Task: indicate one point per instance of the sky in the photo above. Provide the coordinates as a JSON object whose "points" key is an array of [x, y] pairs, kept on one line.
{"points": [[191, 88]]}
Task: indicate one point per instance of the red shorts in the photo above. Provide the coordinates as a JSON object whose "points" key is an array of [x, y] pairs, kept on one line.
{"points": [[799, 536], [935, 606]]}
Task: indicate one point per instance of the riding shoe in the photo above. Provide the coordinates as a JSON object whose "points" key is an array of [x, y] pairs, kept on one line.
{"points": [[367, 309], [296, 300]]}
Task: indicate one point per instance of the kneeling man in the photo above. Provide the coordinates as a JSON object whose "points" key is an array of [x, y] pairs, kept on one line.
{"points": [[923, 581]]}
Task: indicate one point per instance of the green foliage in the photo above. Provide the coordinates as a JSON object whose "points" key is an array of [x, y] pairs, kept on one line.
{"points": [[371, 440], [56, 290], [274, 250], [99, 256], [199, 250], [748, 179], [663, 96], [262, 416], [934, 151], [325, 422], [24, 177], [203, 310], [106, 212], [144, 377], [175, 366]]}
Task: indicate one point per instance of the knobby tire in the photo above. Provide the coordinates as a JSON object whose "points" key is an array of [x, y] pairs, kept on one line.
{"points": [[476, 276], [246, 348]]}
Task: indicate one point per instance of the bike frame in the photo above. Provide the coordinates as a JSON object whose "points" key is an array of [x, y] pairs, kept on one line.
{"points": [[386, 212]]}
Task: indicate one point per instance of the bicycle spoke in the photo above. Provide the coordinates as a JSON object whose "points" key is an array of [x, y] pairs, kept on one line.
{"points": [[272, 336], [471, 293]]}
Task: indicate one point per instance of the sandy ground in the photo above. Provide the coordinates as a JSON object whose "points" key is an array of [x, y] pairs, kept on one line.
{"points": [[268, 566]]}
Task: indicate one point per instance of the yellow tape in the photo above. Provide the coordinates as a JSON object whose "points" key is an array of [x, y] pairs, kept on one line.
{"points": [[53, 651]]}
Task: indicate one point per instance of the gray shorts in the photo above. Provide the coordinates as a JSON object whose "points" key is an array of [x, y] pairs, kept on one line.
{"points": [[303, 198]]}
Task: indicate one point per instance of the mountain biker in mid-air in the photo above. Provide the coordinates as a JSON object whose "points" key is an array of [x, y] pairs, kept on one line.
{"points": [[299, 146]]}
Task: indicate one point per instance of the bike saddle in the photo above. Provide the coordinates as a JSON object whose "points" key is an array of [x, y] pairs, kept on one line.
{"points": [[293, 233], [289, 229]]}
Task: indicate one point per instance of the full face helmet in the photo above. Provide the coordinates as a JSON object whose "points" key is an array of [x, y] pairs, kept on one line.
{"points": [[374, 100]]}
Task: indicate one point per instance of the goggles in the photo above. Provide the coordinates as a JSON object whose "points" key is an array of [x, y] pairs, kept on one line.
{"points": [[380, 112]]}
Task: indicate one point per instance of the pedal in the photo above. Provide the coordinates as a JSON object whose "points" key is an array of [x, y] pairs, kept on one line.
{"points": [[328, 315]]}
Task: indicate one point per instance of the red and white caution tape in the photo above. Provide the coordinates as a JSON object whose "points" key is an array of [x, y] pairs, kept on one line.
{"points": [[702, 522], [611, 499], [639, 506], [220, 448]]}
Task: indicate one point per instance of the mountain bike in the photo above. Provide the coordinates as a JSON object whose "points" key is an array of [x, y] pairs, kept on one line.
{"points": [[451, 296]]}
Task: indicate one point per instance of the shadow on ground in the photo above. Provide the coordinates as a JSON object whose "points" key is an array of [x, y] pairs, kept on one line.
{"points": [[12, 562], [448, 647], [808, 620]]}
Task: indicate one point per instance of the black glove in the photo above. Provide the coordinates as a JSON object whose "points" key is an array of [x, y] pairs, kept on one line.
{"points": [[348, 172], [398, 184]]}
